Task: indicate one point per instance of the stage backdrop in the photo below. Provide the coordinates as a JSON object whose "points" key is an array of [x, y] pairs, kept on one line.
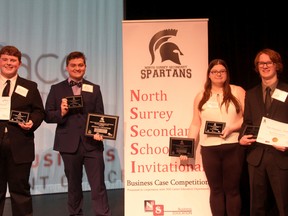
{"points": [[164, 66], [46, 31]]}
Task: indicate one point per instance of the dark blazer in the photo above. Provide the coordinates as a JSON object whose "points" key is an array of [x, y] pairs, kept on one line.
{"points": [[71, 128], [22, 141], [254, 111]]}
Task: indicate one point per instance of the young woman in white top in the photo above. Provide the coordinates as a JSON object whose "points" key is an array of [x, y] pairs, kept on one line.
{"points": [[222, 156]]}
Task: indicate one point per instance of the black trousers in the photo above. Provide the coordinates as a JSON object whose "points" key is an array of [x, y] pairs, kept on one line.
{"points": [[223, 165], [93, 163], [16, 176]]}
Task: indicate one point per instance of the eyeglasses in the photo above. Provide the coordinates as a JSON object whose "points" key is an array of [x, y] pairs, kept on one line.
{"points": [[218, 72], [268, 64]]}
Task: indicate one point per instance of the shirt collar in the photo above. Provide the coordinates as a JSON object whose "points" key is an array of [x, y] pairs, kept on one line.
{"points": [[69, 79], [272, 86], [4, 79]]}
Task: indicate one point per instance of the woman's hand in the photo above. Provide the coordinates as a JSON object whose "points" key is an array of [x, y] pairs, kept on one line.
{"points": [[183, 158]]}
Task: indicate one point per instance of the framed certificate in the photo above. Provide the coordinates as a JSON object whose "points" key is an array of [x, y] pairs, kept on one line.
{"points": [[75, 101], [105, 125], [214, 128], [19, 116], [251, 129], [181, 146]]}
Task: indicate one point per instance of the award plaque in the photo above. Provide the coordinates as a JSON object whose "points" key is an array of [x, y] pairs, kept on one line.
{"points": [[181, 146], [75, 101], [214, 128], [105, 125], [19, 116], [251, 129]]}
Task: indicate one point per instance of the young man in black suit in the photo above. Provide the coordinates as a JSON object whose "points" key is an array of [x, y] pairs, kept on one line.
{"points": [[17, 148], [267, 164], [75, 148]]}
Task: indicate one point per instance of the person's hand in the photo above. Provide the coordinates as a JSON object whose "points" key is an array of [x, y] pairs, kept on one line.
{"points": [[247, 140], [226, 132], [183, 158], [280, 148], [98, 137], [64, 107], [26, 126]]}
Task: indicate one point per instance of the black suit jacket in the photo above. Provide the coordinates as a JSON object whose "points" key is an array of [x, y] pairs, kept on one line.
{"points": [[22, 141], [71, 128], [254, 111]]}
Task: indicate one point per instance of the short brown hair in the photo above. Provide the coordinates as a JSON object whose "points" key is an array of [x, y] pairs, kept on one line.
{"points": [[12, 51], [74, 55]]}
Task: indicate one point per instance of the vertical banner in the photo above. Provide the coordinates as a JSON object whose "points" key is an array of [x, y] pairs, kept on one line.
{"points": [[164, 67]]}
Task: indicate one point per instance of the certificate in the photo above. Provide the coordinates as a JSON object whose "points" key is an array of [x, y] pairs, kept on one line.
{"points": [[273, 132], [5, 106], [19, 116], [105, 125], [214, 128], [181, 146]]}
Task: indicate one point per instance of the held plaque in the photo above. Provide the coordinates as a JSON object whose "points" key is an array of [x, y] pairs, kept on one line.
{"points": [[19, 116], [105, 125], [181, 146], [214, 128], [75, 101], [251, 129]]}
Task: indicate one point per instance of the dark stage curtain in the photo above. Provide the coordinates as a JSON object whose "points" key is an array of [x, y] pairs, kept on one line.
{"points": [[236, 32]]}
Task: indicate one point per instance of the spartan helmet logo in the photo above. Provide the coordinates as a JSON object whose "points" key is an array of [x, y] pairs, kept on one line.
{"points": [[167, 50]]}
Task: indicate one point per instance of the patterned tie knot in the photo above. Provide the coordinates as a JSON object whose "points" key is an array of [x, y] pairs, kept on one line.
{"points": [[73, 83]]}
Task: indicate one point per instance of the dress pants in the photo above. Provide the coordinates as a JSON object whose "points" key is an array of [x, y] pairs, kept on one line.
{"points": [[17, 178], [94, 166]]}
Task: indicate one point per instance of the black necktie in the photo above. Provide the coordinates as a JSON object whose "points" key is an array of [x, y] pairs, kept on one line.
{"points": [[73, 83], [6, 90], [267, 99]]}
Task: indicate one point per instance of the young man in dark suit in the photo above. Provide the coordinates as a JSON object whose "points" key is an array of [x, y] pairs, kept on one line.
{"points": [[17, 148], [75, 148], [267, 164]]}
